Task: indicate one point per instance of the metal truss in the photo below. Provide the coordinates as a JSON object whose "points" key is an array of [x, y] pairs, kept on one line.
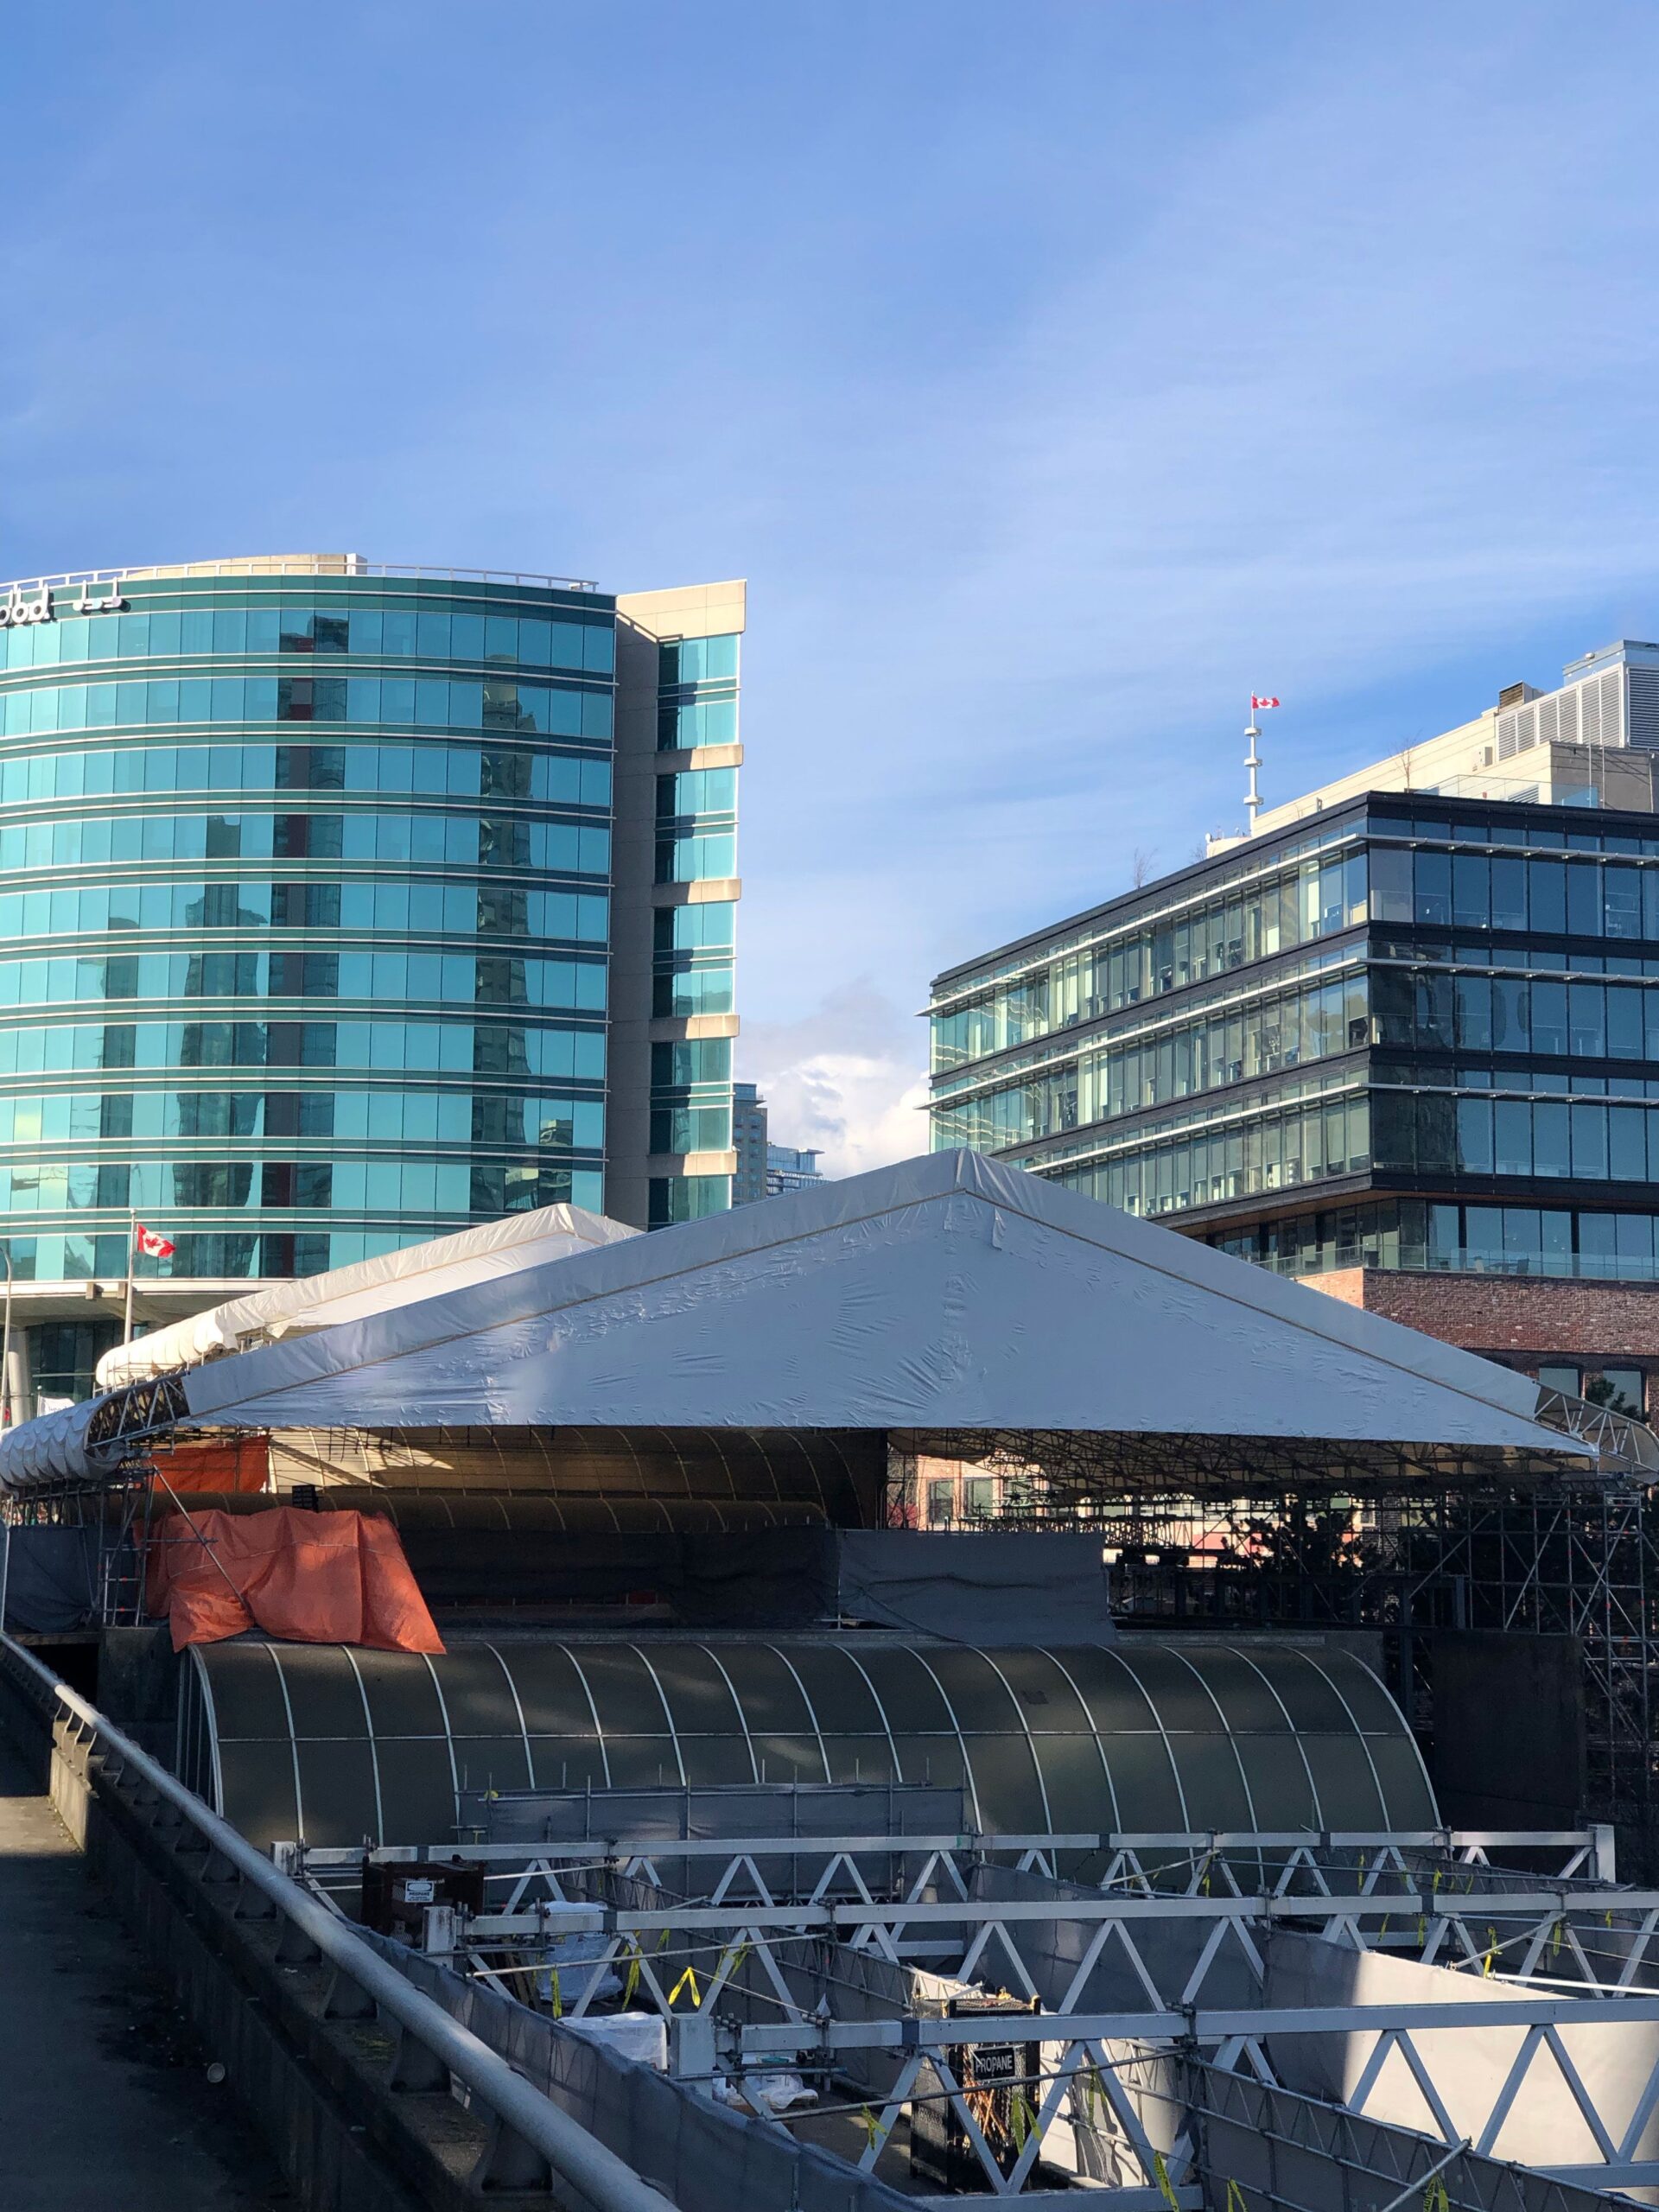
{"points": [[1163, 1958], [1080, 1466]]}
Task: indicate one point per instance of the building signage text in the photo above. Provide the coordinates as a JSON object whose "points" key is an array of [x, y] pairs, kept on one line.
{"points": [[24, 607]]}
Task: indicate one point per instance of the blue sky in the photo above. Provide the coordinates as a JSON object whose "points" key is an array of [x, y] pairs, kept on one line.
{"points": [[1054, 375]]}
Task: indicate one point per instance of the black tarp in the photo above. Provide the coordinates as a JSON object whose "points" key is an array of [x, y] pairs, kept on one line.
{"points": [[51, 1579], [987, 1587]]}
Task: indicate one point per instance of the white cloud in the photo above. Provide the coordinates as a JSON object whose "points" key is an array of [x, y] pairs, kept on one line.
{"points": [[848, 1080]]}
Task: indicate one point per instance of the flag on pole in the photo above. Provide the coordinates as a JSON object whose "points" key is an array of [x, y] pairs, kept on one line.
{"points": [[1255, 702], [152, 1243]]}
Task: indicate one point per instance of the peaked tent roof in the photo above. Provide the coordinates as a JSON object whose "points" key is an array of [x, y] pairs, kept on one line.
{"points": [[950, 1292], [414, 1271]]}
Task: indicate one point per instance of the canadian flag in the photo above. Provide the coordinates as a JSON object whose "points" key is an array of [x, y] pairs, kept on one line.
{"points": [[1255, 702], [152, 1243]]}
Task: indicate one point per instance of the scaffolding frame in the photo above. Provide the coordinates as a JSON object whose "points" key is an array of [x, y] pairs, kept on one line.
{"points": [[1402, 1550]]}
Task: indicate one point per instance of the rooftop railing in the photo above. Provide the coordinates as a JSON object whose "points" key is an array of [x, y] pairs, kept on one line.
{"points": [[292, 565]]}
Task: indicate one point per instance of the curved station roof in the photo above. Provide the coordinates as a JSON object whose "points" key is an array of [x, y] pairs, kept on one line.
{"points": [[325, 1744], [948, 1295]]}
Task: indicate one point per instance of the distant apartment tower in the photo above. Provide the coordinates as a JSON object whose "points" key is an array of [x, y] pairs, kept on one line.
{"points": [[748, 1144], [764, 1170], [1401, 1042], [788, 1169]]}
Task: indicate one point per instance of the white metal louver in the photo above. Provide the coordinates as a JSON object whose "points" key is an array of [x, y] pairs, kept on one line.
{"points": [[1644, 707], [1589, 713]]}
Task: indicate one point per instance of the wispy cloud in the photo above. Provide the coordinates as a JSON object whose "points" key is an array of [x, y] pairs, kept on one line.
{"points": [[848, 1079]]}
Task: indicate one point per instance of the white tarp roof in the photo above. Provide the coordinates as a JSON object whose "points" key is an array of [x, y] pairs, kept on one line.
{"points": [[947, 1292], [950, 1292], [442, 1264]]}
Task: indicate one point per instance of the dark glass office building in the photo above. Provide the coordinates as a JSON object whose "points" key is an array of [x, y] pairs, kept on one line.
{"points": [[310, 885], [1409, 1037]]}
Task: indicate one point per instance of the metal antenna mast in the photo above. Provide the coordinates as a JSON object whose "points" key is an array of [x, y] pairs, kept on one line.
{"points": [[1252, 762]]}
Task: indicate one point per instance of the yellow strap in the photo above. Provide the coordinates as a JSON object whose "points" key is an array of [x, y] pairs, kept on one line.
{"points": [[1162, 2173], [690, 1976]]}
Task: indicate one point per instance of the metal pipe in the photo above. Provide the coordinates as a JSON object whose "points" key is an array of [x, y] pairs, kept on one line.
{"points": [[1412, 2187], [575, 2156]]}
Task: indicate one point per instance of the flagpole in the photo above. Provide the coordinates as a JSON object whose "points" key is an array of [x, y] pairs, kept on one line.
{"points": [[1252, 762], [132, 1254]]}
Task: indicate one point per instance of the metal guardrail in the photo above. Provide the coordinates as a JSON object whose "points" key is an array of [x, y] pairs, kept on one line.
{"points": [[573, 2156], [254, 565]]}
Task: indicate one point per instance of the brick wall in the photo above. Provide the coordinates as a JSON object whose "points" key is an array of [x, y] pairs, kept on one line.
{"points": [[1520, 1318]]}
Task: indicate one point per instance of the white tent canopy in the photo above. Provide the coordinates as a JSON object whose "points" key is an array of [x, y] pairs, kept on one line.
{"points": [[950, 1293], [429, 1270]]}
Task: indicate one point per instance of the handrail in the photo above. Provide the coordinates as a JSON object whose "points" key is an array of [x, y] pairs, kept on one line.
{"points": [[573, 2154]]}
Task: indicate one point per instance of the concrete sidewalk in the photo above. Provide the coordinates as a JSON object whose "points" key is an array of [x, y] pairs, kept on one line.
{"points": [[104, 2103]]}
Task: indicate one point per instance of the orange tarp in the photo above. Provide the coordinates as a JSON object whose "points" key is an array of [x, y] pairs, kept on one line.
{"points": [[242, 1465], [312, 1578]]}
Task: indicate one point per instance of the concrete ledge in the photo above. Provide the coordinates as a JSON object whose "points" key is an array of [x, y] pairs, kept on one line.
{"points": [[317, 2090]]}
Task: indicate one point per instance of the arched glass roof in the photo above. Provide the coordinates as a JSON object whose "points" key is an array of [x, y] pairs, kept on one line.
{"points": [[329, 1744]]}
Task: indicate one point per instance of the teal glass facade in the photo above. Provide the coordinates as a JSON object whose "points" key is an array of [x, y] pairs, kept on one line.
{"points": [[304, 914], [693, 947]]}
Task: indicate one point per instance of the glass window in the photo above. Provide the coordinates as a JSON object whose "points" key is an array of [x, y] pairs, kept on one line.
{"points": [[1546, 895], [1584, 899], [1556, 1374], [1588, 1015], [1475, 1135], [1551, 1153], [1512, 1137], [1471, 896], [1511, 1016], [1624, 1034], [1548, 1016], [1619, 1389], [1589, 1141], [1622, 894], [1521, 1244], [1432, 876], [1556, 1237], [1474, 1009], [1627, 1143], [1508, 894]]}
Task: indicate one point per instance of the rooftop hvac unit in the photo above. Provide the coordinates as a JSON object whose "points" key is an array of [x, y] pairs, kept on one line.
{"points": [[1644, 707]]}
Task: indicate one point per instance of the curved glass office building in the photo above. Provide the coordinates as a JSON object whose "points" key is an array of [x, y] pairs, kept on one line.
{"points": [[307, 880]]}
